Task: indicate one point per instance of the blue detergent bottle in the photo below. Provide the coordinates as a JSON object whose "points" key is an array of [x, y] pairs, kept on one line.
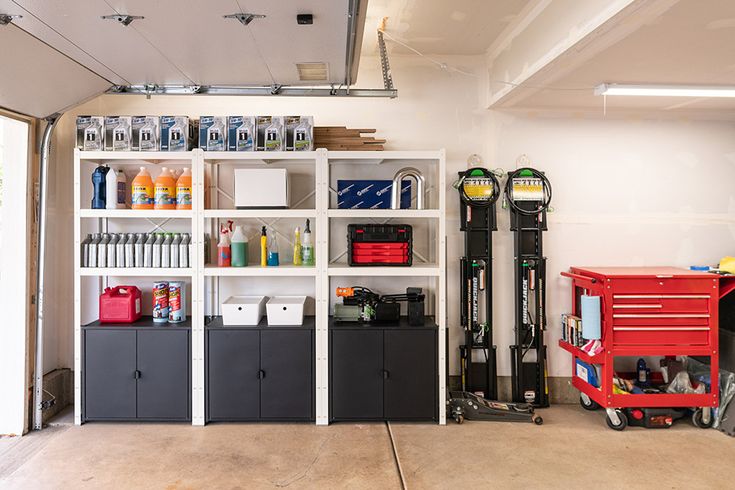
{"points": [[643, 374], [99, 177]]}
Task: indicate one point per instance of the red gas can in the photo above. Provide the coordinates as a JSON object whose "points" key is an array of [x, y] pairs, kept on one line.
{"points": [[120, 304]]}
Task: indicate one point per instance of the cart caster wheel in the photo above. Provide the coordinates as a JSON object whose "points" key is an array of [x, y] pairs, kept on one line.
{"points": [[588, 403], [538, 420], [698, 420], [459, 419], [623, 421]]}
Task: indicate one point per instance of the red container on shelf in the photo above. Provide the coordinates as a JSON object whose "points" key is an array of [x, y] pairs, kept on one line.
{"points": [[120, 304]]}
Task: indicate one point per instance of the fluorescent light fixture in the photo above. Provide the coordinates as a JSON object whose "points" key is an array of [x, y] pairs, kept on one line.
{"points": [[665, 90]]}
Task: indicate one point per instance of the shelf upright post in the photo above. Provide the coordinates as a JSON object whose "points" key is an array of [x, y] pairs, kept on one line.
{"points": [[321, 249], [77, 293], [441, 314], [197, 286]]}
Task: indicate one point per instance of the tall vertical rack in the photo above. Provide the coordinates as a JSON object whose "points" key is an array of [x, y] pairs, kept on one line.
{"points": [[327, 221]]}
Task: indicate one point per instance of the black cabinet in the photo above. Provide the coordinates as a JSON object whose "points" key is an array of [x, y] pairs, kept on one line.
{"points": [[259, 373], [383, 373], [136, 373]]}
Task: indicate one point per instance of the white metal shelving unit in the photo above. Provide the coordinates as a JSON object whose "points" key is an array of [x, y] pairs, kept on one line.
{"points": [[323, 215]]}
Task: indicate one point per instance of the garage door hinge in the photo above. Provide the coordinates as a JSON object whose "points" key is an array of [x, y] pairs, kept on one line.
{"points": [[6, 19]]}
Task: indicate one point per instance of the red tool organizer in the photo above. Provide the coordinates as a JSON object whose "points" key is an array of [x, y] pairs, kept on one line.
{"points": [[649, 311]]}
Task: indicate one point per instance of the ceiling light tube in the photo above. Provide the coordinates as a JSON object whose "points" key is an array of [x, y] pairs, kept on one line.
{"points": [[665, 90]]}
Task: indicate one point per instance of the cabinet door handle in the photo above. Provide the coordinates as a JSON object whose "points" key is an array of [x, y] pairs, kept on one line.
{"points": [[136, 374], [386, 374], [261, 374]]}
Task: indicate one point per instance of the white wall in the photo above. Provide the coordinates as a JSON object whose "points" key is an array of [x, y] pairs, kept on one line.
{"points": [[625, 191]]}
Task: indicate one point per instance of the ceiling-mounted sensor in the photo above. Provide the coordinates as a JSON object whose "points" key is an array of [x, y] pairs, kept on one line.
{"points": [[124, 19], [244, 18], [304, 19], [6, 19], [313, 72]]}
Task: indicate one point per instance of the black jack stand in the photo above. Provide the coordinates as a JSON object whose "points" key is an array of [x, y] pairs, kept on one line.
{"points": [[528, 194], [479, 190]]}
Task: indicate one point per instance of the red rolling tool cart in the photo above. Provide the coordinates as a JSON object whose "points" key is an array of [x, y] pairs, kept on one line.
{"points": [[647, 311]]}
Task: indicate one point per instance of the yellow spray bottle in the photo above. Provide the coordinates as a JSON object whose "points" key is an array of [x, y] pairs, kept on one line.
{"points": [[297, 246], [263, 248]]}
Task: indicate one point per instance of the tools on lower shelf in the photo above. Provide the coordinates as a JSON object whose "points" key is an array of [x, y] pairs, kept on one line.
{"points": [[360, 304]]}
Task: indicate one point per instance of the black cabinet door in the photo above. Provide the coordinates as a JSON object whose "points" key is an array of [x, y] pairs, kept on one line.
{"points": [[163, 362], [411, 382], [357, 374], [233, 364], [109, 374], [286, 390]]}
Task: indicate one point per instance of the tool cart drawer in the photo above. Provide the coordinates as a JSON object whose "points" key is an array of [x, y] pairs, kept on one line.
{"points": [[661, 335], [661, 303], [661, 285]]}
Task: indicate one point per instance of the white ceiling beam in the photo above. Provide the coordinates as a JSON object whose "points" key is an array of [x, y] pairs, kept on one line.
{"points": [[551, 38]]}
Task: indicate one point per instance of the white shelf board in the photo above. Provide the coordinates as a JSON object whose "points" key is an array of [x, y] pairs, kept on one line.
{"points": [[258, 271], [136, 213], [135, 272], [119, 157], [384, 213], [260, 213], [418, 270], [255, 156]]}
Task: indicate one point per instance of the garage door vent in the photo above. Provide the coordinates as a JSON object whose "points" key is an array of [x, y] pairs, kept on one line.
{"points": [[313, 72]]}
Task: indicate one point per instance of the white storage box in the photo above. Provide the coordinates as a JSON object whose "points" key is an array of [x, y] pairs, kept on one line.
{"points": [[261, 188], [286, 310], [243, 310]]}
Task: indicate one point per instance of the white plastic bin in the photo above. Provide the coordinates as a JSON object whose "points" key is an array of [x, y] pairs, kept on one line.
{"points": [[243, 310], [286, 310]]}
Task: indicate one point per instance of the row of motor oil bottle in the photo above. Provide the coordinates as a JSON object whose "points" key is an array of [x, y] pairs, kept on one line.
{"points": [[232, 249], [169, 250], [171, 190]]}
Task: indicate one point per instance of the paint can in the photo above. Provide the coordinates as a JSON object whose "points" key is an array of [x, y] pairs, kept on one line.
{"points": [[160, 302], [176, 302]]}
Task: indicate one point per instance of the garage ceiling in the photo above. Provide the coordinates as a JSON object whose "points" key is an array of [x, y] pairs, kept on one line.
{"points": [[458, 27], [691, 43], [186, 42]]}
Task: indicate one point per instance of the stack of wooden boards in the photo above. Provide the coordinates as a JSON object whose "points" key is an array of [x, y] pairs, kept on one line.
{"points": [[340, 138]]}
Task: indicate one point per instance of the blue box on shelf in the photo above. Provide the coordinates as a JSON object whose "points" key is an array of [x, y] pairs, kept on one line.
{"points": [[370, 194]]}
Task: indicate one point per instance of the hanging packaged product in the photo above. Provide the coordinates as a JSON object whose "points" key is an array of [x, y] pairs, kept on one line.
{"points": [[99, 184], [145, 133], [118, 133], [241, 133], [160, 302], [270, 133], [213, 133], [165, 191], [239, 248], [178, 133], [183, 190], [91, 133], [299, 133], [142, 190], [176, 302]]}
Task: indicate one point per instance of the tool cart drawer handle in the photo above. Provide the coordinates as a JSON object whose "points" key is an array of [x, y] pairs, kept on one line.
{"points": [[660, 329], [661, 315]]}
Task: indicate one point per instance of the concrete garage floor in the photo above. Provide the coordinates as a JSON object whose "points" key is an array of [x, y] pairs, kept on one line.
{"points": [[573, 449]]}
